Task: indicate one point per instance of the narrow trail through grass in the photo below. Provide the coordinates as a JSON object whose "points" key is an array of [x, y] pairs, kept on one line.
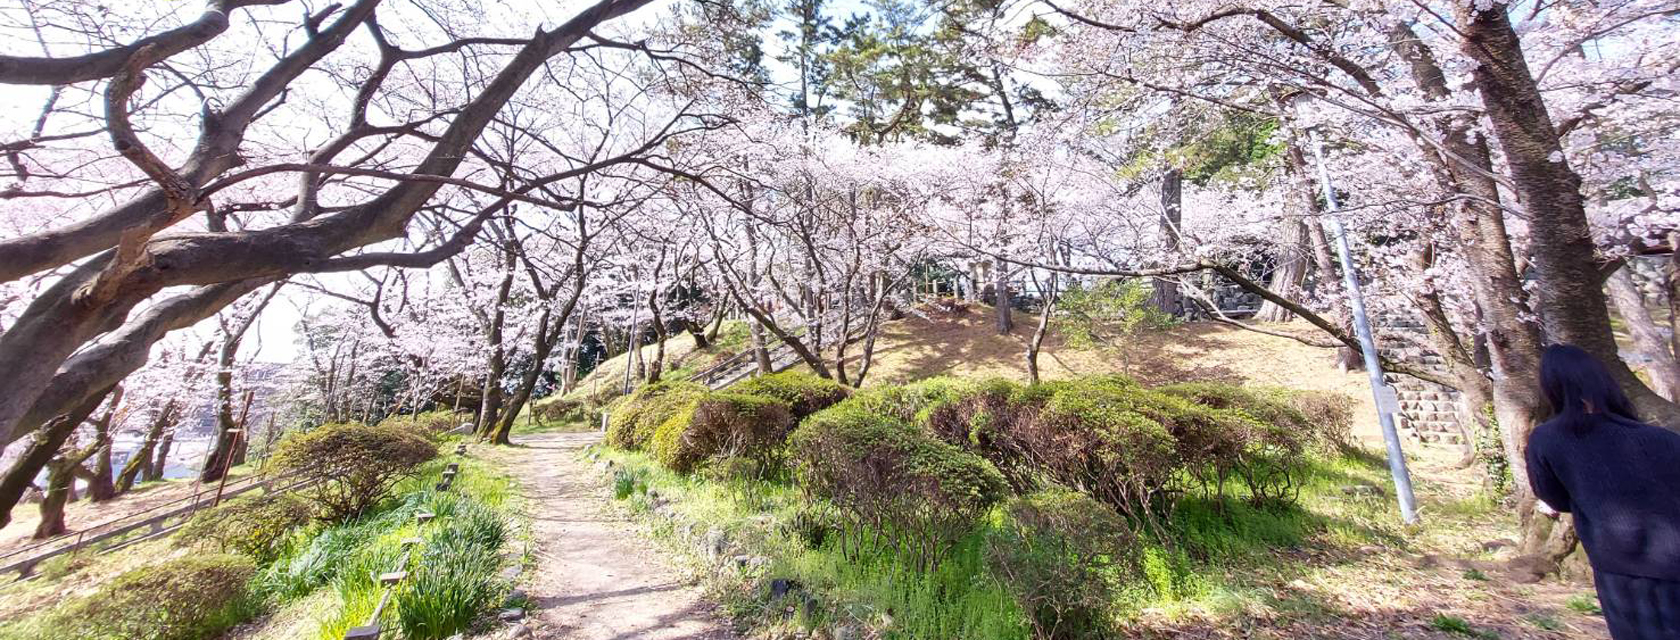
{"points": [[595, 577]]}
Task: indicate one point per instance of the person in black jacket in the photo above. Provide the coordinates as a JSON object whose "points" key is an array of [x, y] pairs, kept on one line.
{"points": [[1620, 480]]}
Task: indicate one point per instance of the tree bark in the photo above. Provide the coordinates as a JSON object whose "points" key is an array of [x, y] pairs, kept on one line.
{"points": [[1001, 299], [160, 465], [41, 450], [490, 405], [1166, 296], [60, 479], [1288, 271], [1571, 295], [1043, 329], [1648, 341], [140, 464]]}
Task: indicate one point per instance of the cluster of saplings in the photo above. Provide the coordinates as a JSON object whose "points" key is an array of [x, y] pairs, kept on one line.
{"points": [[1079, 472], [334, 530]]}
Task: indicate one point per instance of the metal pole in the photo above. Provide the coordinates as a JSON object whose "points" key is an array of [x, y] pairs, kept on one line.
{"points": [[1368, 345]]}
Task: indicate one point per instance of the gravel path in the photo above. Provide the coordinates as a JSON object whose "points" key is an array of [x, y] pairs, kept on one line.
{"points": [[596, 578]]}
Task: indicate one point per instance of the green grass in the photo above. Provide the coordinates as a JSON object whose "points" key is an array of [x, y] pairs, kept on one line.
{"points": [[1544, 622], [452, 571], [1202, 566], [1458, 626], [1584, 604]]}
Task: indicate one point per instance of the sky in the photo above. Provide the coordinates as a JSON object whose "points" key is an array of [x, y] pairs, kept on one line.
{"points": [[274, 337]]}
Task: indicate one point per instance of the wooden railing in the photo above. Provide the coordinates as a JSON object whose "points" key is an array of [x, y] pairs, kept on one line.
{"points": [[157, 521]]}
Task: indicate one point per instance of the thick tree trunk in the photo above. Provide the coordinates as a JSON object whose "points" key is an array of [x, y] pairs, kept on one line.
{"points": [[761, 352], [1571, 295], [1289, 270], [140, 463], [1001, 298], [1513, 344], [242, 440], [101, 484], [41, 450], [657, 368], [1648, 341], [574, 351], [548, 335], [696, 331], [160, 465], [1166, 296], [60, 481]]}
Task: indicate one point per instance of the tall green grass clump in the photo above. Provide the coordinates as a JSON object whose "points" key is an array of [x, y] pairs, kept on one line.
{"points": [[455, 575]]}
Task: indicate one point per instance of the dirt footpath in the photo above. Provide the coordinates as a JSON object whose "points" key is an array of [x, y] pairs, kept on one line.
{"points": [[596, 578]]}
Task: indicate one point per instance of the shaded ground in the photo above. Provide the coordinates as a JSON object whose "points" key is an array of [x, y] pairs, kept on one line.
{"points": [[83, 514], [595, 578]]}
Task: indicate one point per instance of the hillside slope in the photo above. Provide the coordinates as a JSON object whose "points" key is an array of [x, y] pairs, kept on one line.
{"points": [[966, 344]]}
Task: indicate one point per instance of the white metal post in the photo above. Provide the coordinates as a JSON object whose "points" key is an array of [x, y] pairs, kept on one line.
{"points": [[1368, 344]]}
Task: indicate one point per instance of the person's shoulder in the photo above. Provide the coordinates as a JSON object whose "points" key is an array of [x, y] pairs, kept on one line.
{"points": [[1549, 429]]}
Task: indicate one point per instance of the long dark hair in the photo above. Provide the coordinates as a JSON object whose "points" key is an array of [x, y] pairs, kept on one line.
{"points": [[1580, 389]]}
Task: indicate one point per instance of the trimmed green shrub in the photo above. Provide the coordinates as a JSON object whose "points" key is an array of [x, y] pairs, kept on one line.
{"points": [[431, 424], [255, 527], [354, 465], [188, 598], [805, 393], [1065, 559], [893, 480], [1103, 437], [909, 403], [724, 425], [634, 418], [1273, 450]]}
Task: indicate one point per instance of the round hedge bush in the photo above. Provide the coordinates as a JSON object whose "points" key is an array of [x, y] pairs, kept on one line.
{"points": [[633, 419], [724, 425], [1066, 559], [353, 465], [187, 598], [893, 480], [805, 393], [255, 527]]}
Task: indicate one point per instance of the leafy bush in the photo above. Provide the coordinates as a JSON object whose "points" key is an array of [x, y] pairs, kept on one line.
{"points": [[729, 469], [354, 465], [558, 409], [635, 417], [1064, 557], [894, 481], [1329, 414], [805, 393], [431, 424], [724, 425], [188, 598], [1105, 437], [1273, 448], [1109, 314], [911, 402], [255, 527]]}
